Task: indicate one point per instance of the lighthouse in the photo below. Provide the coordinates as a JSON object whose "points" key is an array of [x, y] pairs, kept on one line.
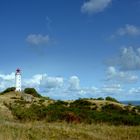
{"points": [[18, 80]]}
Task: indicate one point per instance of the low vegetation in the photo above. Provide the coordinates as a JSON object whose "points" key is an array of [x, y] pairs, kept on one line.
{"points": [[78, 111], [8, 90], [90, 119], [111, 99], [32, 92], [100, 98]]}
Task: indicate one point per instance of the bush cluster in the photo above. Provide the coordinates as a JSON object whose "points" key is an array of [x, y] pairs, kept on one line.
{"points": [[10, 89], [77, 112], [138, 108], [100, 98], [81, 103], [32, 91], [34, 112], [111, 99]]}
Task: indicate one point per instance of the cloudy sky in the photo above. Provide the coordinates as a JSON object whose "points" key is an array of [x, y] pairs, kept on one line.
{"points": [[69, 49]]}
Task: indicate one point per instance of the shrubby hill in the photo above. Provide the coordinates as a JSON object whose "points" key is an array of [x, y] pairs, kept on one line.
{"points": [[30, 105], [27, 116]]}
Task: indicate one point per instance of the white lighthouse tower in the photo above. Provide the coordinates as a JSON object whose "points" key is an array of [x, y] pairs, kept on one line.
{"points": [[18, 80]]}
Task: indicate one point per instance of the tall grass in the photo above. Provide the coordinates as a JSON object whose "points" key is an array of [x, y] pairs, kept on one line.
{"points": [[64, 131]]}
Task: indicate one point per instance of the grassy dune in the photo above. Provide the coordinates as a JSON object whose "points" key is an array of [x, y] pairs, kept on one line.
{"points": [[12, 128], [64, 131]]}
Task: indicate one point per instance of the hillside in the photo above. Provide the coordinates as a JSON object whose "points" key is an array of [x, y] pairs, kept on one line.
{"points": [[26, 107], [25, 117]]}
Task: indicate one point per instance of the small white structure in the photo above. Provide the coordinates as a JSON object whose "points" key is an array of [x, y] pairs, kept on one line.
{"points": [[27, 97], [18, 80]]}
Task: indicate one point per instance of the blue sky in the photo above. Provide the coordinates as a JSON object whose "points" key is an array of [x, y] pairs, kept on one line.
{"points": [[71, 49]]}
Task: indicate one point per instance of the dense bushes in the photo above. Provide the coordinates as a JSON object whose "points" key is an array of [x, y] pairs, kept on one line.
{"points": [[138, 108], [81, 103], [34, 112], [32, 91], [59, 102], [112, 108], [111, 99], [77, 112], [8, 90], [100, 98]]}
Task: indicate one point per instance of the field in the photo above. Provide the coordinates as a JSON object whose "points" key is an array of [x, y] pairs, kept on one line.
{"points": [[64, 131]]}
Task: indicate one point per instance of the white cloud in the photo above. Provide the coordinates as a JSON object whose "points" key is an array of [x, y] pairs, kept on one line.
{"points": [[57, 88], [7, 76], [127, 60], [129, 30], [43, 82], [71, 89], [134, 93], [7, 80], [134, 90], [2, 85], [94, 89], [37, 39], [120, 76], [74, 83], [95, 6], [112, 89], [51, 82], [111, 72], [6, 84], [32, 82]]}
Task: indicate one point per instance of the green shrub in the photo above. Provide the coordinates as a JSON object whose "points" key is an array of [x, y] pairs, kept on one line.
{"points": [[138, 108], [111, 99], [34, 112], [112, 108], [59, 102], [100, 98], [55, 112], [32, 91], [81, 103], [8, 90]]}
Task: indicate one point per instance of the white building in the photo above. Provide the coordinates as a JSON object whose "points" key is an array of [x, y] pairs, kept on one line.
{"points": [[18, 80]]}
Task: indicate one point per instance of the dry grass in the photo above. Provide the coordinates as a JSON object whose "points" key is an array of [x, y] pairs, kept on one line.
{"points": [[64, 131]]}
